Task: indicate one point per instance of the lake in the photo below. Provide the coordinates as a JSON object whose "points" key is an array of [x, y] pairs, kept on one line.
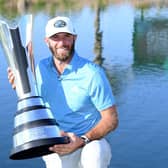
{"points": [[131, 44]]}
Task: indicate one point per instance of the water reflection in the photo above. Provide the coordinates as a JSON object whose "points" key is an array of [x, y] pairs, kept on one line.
{"points": [[13, 8], [98, 38], [150, 38]]}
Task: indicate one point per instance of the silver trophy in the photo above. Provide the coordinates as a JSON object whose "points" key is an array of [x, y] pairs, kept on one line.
{"points": [[35, 128]]}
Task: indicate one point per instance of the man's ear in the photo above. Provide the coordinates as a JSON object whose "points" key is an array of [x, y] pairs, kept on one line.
{"points": [[46, 41]]}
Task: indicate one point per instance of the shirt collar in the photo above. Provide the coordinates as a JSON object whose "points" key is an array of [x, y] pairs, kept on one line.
{"points": [[73, 63]]}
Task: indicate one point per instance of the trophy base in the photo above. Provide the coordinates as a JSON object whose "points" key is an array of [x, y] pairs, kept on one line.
{"points": [[36, 148]]}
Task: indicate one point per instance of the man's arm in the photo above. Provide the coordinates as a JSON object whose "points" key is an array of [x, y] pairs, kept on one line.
{"points": [[108, 122]]}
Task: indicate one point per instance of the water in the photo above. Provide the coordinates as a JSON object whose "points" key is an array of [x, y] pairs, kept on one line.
{"points": [[135, 57]]}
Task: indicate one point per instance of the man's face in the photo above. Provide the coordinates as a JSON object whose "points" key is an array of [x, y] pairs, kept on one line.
{"points": [[61, 46]]}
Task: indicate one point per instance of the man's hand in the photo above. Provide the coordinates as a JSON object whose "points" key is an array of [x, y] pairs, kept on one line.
{"points": [[11, 77], [63, 149]]}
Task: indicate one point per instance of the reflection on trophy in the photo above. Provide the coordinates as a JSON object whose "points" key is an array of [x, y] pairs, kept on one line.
{"points": [[35, 128]]}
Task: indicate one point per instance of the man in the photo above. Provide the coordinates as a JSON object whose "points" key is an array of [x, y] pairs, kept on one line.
{"points": [[80, 98]]}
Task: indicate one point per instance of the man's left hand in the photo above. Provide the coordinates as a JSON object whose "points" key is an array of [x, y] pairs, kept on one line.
{"points": [[63, 149]]}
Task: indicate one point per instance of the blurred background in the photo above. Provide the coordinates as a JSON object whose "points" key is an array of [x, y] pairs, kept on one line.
{"points": [[129, 39]]}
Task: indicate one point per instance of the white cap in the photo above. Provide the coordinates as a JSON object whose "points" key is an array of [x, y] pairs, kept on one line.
{"points": [[59, 24]]}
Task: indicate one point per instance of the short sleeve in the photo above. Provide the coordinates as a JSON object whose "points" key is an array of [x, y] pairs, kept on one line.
{"points": [[100, 91]]}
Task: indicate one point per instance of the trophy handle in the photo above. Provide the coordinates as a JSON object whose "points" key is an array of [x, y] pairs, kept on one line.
{"points": [[20, 60], [27, 42]]}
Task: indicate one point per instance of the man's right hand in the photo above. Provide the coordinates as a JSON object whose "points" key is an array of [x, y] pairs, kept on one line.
{"points": [[11, 77]]}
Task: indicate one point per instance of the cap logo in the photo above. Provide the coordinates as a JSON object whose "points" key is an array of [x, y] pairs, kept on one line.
{"points": [[59, 24]]}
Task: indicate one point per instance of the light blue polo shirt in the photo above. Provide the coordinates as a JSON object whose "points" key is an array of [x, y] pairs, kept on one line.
{"points": [[77, 96]]}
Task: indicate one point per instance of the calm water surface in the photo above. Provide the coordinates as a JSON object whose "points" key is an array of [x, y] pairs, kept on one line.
{"points": [[135, 57]]}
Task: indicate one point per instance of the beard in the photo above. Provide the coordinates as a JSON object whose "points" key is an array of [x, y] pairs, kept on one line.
{"points": [[62, 54]]}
